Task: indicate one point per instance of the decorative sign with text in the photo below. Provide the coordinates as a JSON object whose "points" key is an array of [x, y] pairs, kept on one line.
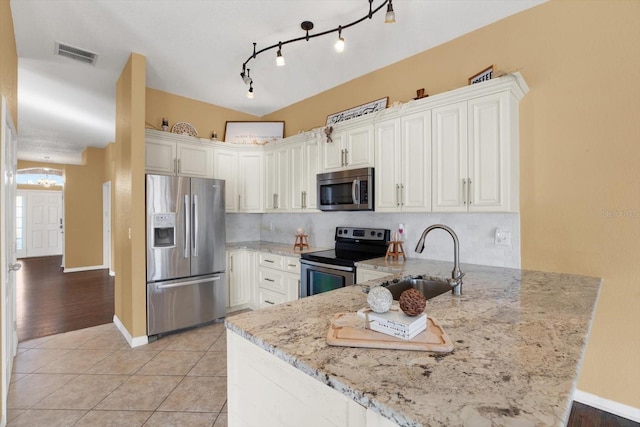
{"points": [[361, 110], [482, 76], [257, 133]]}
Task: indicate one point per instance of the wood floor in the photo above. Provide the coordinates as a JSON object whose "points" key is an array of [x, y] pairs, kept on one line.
{"points": [[50, 302]]}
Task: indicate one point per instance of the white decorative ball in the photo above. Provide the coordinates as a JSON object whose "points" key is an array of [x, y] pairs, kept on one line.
{"points": [[300, 231], [380, 299]]}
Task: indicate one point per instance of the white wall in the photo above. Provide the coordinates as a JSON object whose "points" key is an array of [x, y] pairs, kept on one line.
{"points": [[475, 231]]}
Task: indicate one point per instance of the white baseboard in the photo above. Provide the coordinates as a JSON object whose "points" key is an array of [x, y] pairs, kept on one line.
{"points": [[133, 341], [607, 405], [87, 268]]}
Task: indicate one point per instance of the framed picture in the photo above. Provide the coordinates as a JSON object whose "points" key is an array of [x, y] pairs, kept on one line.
{"points": [[482, 76], [258, 133], [361, 110]]}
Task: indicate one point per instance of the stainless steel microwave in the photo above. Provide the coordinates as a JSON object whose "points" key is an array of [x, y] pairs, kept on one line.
{"points": [[350, 190]]}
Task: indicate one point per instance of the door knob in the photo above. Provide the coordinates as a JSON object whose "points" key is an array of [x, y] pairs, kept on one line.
{"points": [[15, 267]]}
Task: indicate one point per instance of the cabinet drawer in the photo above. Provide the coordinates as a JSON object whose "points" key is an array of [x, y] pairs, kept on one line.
{"points": [[267, 298], [271, 279], [270, 260], [292, 264]]}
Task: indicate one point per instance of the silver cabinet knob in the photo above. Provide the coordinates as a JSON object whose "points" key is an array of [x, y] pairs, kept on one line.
{"points": [[15, 267]]}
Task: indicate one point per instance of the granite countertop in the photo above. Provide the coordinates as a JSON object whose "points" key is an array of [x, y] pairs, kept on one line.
{"points": [[519, 337], [272, 247]]}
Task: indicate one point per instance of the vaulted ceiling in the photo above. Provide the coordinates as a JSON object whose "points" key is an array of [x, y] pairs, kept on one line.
{"points": [[195, 48]]}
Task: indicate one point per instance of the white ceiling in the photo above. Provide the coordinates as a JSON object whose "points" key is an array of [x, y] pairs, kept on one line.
{"points": [[195, 48]]}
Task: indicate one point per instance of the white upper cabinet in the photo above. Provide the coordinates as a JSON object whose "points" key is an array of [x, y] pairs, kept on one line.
{"points": [[171, 154], [242, 169], [276, 178], [475, 155], [304, 165], [352, 147], [403, 163]]}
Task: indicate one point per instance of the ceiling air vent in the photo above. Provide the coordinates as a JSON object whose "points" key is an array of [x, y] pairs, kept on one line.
{"points": [[76, 53]]}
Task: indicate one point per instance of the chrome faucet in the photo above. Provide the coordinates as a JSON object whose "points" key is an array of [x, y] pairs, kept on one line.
{"points": [[456, 274]]}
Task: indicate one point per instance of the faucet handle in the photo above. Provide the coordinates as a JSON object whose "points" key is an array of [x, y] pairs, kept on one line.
{"points": [[457, 280]]}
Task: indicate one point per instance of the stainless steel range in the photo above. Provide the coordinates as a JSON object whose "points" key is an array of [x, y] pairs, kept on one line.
{"points": [[328, 270]]}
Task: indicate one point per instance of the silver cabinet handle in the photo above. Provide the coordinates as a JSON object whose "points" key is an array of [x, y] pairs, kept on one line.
{"points": [[304, 200], [269, 302], [464, 191], [231, 264], [269, 280], [238, 201], [401, 194], [178, 165], [470, 194], [187, 225], [15, 266], [397, 194], [269, 260], [291, 265], [175, 165], [346, 157], [194, 215]]}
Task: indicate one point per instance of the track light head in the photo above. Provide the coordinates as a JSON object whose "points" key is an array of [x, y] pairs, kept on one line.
{"points": [[250, 91], [339, 46], [279, 58], [390, 16]]}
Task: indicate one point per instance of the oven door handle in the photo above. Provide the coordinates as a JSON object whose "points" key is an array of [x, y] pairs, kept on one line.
{"points": [[331, 266]]}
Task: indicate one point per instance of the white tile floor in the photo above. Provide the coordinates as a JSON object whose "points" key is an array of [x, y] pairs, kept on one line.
{"points": [[92, 377]]}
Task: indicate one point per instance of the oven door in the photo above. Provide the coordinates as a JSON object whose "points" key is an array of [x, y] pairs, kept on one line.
{"points": [[316, 277]]}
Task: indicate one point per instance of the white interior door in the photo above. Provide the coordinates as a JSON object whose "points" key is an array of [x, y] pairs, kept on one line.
{"points": [[44, 223], [8, 264], [106, 225]]}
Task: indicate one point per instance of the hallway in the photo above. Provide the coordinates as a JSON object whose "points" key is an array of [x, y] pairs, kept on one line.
{"points": [[50, 302]]}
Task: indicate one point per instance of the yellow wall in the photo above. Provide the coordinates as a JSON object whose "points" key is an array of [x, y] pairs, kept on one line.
{"points": [[8, 60], [206, 118], [580, 145], [129, 206], [82, 207]]}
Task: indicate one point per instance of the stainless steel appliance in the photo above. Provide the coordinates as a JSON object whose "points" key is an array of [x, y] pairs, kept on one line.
{"points": [[186, 282], [333, 269], [350, 190]]}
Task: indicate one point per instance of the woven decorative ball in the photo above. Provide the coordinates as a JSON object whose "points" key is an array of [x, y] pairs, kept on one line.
{"points": [[380, 299], [412, 302]]}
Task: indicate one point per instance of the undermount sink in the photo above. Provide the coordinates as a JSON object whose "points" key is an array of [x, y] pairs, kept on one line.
{"points": [[430, 287]]}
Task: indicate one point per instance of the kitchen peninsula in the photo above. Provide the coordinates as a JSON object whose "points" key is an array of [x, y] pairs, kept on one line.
{"points": [[519, 338]]}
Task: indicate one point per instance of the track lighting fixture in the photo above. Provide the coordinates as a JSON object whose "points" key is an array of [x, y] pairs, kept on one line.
{"points": [[339, 46], [250, 91], [279, 57], [390, 17]]}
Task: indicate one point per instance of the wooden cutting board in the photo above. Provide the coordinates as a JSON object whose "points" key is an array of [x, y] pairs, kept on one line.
{"points": [[347, 330]]}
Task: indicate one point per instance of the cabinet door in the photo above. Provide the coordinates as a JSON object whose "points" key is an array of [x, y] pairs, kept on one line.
{"points": [[359, 145], [277, 180], [160, 157], [226, 167], [292, 286], [195, 160], [388, 165], [449, 144], [239, 281], [333, 153], [489, 153], [251, 189], [311, 168], [297, 175], [415, 170]]}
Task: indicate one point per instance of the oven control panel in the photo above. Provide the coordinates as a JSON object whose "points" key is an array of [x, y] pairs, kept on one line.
{"points": [[371, 234]]}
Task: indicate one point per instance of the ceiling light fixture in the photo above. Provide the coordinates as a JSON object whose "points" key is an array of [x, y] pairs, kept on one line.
{"points": [[390, 17], [279, 57], [250, 91], [46, 182], [339, 46]]}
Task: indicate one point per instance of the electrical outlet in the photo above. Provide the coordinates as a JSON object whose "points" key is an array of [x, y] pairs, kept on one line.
{"points": [[502, 237]]}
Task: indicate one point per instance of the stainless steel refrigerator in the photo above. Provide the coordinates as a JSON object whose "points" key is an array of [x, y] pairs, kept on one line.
{"points": [[186, 282]]}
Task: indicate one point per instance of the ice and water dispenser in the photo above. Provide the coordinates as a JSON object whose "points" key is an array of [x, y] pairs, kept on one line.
{"points": [[164, 230]]}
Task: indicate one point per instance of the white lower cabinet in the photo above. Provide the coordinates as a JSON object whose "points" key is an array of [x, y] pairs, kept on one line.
{"points": [[278, 279], [265, 391], [241, 273]]}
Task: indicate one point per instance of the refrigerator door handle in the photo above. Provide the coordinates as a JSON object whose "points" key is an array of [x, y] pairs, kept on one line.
{"points": [[189, 283], [187, 225], [194, 215]]}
